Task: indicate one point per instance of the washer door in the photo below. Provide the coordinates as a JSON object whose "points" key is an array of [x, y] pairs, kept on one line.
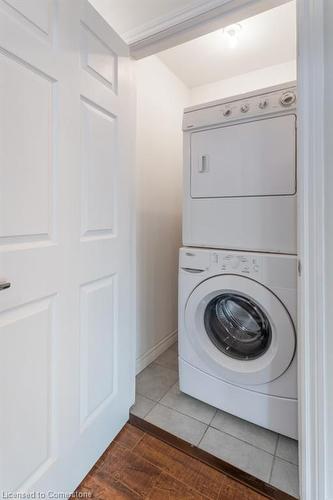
{"points": [[240, 329]]}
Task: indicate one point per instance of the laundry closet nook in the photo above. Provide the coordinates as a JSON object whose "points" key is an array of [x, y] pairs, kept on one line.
{"points": [[165, 233], [217, 244]]}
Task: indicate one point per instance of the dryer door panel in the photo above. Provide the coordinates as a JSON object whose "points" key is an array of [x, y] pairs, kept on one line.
{"points": [[249, 159]]}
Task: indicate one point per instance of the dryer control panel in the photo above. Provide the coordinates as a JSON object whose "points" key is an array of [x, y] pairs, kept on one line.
{"points": [[244, 107]]}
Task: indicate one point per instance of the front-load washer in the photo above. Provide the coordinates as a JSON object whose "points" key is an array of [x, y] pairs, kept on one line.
{"points": [[240, 172], [237, 334]]}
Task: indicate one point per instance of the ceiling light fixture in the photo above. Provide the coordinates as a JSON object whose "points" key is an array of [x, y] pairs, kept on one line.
{"points": [[232, 34]]}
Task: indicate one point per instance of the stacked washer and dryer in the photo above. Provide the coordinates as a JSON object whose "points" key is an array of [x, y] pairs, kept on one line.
{"points": [[238, 267]]}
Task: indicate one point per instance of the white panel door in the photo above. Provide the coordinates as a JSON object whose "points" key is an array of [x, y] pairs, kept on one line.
{"points": [[248, 159], [66, 356]]}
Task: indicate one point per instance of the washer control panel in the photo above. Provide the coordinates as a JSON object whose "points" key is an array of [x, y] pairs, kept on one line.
{"points": [[234, 263]]}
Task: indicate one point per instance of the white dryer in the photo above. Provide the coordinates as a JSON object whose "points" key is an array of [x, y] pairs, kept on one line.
{"points": [[237, 336], [240, 172]]}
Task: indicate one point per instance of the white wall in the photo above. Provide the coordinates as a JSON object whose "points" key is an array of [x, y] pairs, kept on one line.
{"points": [[247, 82], [161, 97]]}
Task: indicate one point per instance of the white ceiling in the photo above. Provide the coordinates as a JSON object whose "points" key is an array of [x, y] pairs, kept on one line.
{"points": [[127, 15], [265, 40]]}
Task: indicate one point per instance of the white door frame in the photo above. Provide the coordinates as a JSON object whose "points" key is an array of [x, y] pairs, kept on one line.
{"points": [[311, 237], [311, 222]]}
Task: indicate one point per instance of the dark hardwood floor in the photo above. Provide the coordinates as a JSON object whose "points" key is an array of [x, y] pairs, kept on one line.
{"points": [[138, 465]]}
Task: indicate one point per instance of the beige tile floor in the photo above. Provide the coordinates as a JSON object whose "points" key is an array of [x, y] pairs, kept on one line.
{"points": [[258, 451]]}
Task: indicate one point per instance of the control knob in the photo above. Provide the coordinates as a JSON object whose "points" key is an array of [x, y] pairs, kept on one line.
{"points": [[245, 108], [227, 112], [288, 98], [263, 104]]}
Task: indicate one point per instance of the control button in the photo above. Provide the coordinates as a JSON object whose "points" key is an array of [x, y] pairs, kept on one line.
{"points": [[215, 258], [287, 98], [263, 104], [245, 108], [227, 112], [226, 262]]}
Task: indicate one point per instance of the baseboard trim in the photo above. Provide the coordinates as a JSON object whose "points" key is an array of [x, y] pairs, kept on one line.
{"points": [[148, 357], [229, 470]]}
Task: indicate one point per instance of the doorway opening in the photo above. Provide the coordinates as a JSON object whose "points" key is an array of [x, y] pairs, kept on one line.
{"points": [[253, 56]]}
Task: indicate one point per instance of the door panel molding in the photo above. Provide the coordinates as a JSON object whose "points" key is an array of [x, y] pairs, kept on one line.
{"points": [[36, 16]]}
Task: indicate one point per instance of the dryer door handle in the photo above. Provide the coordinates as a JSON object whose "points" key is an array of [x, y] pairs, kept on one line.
{"points": [[203, 164]]}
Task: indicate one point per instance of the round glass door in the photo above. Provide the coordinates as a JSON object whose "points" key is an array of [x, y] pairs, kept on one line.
{"points": [[237, 326]]}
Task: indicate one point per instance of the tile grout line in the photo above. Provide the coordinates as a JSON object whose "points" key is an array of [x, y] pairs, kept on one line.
{"points": [[242, 440], [144, 396], [155, 403], [198, 445], [174, 409], [194, 418], [210, 426], [159, 401], [276, 445], [211, 420], [181, 413], [155, 400], [284, 459], [218, 430], [241, 468], [151, 409], [273, 462]]}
